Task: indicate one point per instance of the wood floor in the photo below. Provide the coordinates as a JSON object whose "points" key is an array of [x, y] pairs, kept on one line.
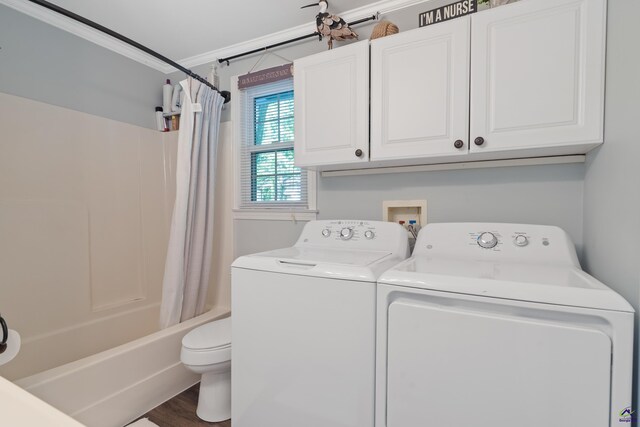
{"points": [[181, 412]]}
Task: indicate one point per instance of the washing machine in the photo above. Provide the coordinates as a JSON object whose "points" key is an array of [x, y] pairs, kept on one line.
{"points": [[496, 325], [304, 322]]}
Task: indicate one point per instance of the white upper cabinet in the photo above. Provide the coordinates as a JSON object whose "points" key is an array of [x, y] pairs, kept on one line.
{"points": [[331, 91], [537, 76], [420, 92], [521, 80]]}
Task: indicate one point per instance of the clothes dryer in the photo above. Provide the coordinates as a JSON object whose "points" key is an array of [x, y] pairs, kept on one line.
{"points": [[304, 326], [496, 325]]}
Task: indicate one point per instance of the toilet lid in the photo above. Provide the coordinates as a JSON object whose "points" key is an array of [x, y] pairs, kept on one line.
{"points": [[211, 335]]}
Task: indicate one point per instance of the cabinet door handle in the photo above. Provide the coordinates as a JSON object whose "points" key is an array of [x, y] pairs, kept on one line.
{"points": [[358, 153], [479, 140], [458, 144]]}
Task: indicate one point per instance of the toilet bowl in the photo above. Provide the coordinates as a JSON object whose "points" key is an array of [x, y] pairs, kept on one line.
{"points": [[206, 350]]}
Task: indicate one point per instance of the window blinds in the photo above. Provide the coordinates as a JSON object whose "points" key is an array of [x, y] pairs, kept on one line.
{"points": [[268, 176]]}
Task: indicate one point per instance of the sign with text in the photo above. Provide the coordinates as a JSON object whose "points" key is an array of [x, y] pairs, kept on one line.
{"points": [[269, 75], [450, 11]]}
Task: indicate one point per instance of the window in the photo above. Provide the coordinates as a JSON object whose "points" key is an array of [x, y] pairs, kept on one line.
{"points": [[274, 178], [268, 178]]}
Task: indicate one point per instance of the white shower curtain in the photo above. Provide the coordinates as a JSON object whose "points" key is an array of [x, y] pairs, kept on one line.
{"points": [[188, 263]]}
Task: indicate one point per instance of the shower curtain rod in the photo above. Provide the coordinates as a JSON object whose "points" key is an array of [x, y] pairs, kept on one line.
{"points": [[296, 39], [95, 25]]}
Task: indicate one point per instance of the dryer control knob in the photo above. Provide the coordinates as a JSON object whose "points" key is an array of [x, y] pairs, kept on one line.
{"points": [[346, 233], [369, 234], [487, 240], [326, 232], [521, 240]]}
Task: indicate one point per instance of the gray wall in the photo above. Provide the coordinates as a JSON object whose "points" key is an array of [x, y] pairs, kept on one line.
{"points": [[531, 194], [612, 177], [44, 63], [251, 236]]}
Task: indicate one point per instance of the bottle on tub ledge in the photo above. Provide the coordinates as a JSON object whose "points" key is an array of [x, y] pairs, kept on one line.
{"points": [[167, 92], [176, 104], [175, 121], [161, 122]]}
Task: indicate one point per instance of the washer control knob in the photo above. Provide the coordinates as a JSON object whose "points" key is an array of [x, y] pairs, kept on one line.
{"points": [[326, 232], [487, 240], [521, 240], [369, 234], [346, 233]]}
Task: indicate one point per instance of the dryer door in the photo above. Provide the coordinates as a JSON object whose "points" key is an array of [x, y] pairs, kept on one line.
{"points": [[460, 366]]}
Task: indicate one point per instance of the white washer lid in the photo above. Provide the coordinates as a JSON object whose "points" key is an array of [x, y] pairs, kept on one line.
{"points": [[211, 335], [311, 254], [357, 265]]}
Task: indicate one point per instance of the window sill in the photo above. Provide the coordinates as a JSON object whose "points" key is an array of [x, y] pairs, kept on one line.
{"points": [[275, 214]]}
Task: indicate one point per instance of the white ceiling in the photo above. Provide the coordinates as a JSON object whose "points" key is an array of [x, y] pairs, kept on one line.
{"points": [[188, 28], [194, 32]]}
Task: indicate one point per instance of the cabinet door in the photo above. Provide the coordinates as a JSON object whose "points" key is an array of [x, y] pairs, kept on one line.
{"points": [[331, 91], [420, 92], [537, 76]]}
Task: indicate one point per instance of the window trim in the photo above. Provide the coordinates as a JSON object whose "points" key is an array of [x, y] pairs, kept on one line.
{"points": [[276, 213]]}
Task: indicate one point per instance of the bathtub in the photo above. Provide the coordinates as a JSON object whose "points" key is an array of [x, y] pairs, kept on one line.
{"points": [[65, 345], [114, 387]]}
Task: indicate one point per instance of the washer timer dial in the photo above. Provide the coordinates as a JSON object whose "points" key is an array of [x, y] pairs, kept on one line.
{"points": [[487, 240], [346, 233]]}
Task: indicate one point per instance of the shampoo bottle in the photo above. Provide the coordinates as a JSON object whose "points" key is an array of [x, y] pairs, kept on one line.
{"points": [[160, 122], [167, 91]]}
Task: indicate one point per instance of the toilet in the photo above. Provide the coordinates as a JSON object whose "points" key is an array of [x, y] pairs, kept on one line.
{"points": [[206, 350]]}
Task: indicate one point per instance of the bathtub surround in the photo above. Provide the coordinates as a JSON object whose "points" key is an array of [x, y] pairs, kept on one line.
{"points": [[188, 262], [84, 227], [85, 205]]}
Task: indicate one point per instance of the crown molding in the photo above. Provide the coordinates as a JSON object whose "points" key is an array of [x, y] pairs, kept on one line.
{"points": [[381, 7], [76, 28], [87, 33]]}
